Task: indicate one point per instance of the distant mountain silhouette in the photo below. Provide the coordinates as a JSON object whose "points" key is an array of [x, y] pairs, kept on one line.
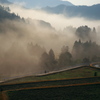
{"points": [[5, 2], [43, 3], [90, 12], [6, 14]]}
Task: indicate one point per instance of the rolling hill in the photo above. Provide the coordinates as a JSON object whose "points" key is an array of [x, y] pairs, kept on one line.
{"points": [[81, 72], [55, 85], [42, 3], [89, 12]]}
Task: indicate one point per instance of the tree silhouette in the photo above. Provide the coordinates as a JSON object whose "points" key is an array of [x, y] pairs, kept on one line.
{"points": [[65, 58], [48, 61], [84, 32], [51, 55]]}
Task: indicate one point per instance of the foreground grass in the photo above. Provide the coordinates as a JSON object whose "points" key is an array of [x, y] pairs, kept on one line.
{"points": [[79, 92], [74, 73]]}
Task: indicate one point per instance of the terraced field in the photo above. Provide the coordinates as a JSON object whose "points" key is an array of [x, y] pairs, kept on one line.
{"points": [[75, 84], [77, 92]]}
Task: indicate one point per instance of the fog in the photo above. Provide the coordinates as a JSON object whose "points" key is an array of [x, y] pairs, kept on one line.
{"points": [[58, 21], [15, 59]]}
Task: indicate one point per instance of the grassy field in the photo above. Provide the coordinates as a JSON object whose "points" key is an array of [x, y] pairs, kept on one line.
{"points": [[74, 73], [79, 92]]}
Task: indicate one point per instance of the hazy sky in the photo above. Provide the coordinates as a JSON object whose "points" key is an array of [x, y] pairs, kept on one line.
{"points": [[83, 2]]}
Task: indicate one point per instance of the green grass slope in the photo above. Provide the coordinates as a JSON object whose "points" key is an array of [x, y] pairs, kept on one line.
{"points": [[80, 72]]}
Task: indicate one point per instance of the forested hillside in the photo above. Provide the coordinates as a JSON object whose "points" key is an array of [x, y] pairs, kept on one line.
{"points": [[5, 14]]}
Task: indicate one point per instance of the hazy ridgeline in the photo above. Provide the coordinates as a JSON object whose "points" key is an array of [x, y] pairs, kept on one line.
{"points": [[28, 47]]}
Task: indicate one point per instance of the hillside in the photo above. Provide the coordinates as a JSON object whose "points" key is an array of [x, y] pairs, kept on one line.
{"points": [[43, 3], [81, 72], [5, 14], [28, 88], [89, 12]]}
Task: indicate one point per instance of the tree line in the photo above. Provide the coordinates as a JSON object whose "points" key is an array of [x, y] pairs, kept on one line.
{"points": [[82, 52]]}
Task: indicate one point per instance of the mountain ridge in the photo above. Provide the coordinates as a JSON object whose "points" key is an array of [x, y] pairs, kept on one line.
{"points": [[89, 12], [43, 3], [5, 2]]}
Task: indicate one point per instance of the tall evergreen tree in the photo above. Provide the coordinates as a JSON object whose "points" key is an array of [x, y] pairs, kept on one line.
{"points": [[65, 58], [51, 55], [48, 61], [44, 61], [94, 34]]}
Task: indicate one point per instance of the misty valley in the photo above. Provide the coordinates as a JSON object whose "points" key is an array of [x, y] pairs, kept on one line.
{"points": [[30, 46], [49, 50]]}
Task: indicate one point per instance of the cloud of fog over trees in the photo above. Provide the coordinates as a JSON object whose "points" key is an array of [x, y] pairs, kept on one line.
{"points": [[57, 20], [22, 42]]}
